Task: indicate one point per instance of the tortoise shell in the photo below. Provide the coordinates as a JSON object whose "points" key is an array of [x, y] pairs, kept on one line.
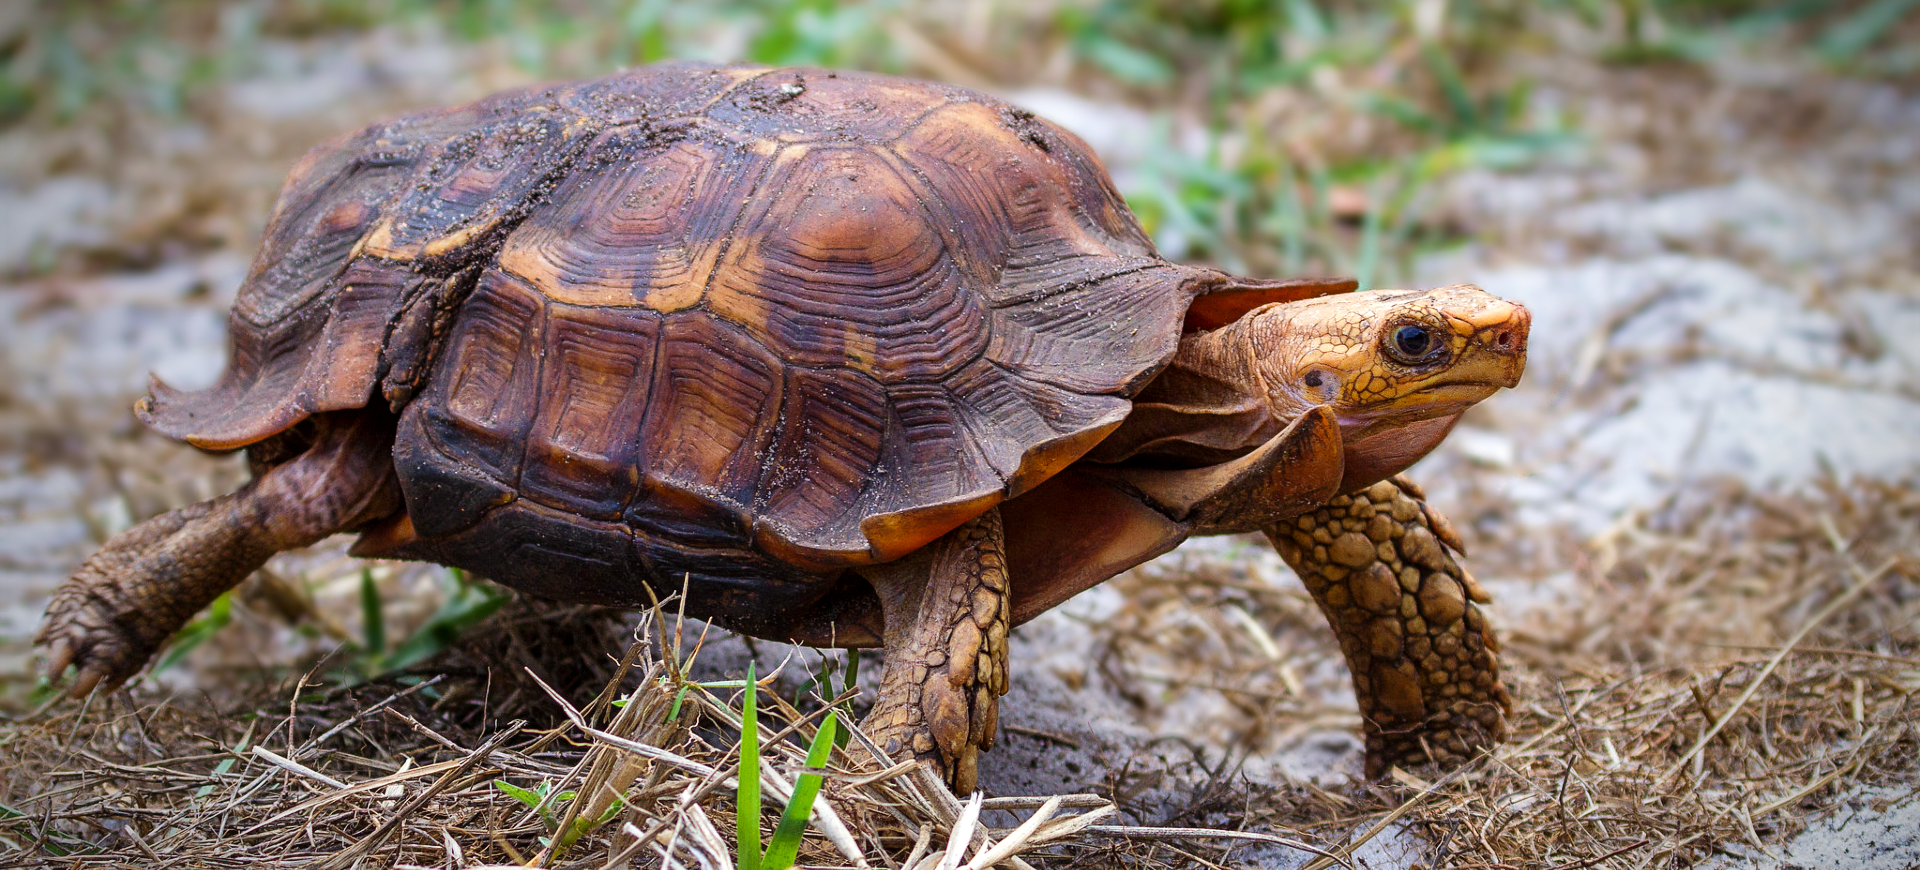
{"points": [[733, 328]]}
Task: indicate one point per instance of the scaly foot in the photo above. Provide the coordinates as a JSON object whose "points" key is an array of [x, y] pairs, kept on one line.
{"points": [[1422, 655], [146, 582], [947, 619]]}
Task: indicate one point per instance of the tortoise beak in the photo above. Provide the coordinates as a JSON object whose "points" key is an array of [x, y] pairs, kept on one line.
{"points": [[1494, 351], [1500, 332]]}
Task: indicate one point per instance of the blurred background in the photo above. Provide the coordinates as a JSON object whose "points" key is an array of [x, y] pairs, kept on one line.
{"points": [[1711, 206]]}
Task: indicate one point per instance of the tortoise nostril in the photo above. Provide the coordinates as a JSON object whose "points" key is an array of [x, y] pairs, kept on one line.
{"points": [[1503, 340]]}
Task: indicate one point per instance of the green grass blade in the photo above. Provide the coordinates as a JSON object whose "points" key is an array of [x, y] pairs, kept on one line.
{"points": [[206, 625], [466, 605], [747, 805], [1367, 268], [1307, 22], [373, 620], [52, 848], [849, 682], [1851, 36], [1125, 62], [524, 795], [1466, 114], [225, 765], [852, 676], [785, 846], [673, 712]]}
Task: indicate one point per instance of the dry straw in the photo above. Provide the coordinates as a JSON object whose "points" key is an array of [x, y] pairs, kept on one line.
{"points": [[1729, 678]]}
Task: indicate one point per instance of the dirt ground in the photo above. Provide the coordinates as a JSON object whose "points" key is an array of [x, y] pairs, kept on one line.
{"points": [[1717, 438]]}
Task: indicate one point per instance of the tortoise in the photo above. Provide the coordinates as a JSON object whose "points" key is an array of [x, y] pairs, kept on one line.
{"points": [[847, 360]]}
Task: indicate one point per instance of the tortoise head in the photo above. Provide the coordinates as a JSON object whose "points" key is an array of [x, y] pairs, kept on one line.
{"points": [[1397, 367]]}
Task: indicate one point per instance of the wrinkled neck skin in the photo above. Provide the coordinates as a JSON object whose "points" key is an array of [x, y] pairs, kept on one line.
{"points": [[1208, 406]]}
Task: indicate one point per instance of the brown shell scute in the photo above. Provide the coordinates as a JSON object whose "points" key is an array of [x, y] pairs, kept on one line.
{"points": [[478, 183], [316, 359], [837, 264], [802, 105], [672, 90], [649, 232]]}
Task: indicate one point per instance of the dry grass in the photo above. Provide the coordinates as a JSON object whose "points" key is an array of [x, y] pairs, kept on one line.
{"points": [[390, 776], [1720, 677], [1729, 678]]}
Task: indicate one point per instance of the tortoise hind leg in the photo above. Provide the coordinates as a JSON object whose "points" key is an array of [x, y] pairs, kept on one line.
{"points": [[1420, 651], [146, 582], [947, 617]]}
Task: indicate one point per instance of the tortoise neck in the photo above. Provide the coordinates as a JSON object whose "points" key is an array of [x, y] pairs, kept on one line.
{"points": [[1209, 405]]}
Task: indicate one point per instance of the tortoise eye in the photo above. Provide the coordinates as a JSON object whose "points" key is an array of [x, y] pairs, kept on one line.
{"points": [[1412, 344]]}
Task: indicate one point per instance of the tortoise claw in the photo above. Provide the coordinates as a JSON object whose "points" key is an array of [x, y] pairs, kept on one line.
{"points": [[95, 675], [86, 638]]}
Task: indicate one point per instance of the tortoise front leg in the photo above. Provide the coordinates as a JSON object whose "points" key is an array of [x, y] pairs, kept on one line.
{"points": [[1421, 653], [947, 617], [146, 582]]}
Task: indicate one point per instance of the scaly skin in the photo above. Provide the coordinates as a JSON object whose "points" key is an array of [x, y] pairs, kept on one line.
{"points": [[1420, 651], [946, 660], [146, 582]]}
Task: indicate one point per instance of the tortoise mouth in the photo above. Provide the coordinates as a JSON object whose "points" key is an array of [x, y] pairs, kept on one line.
{"points": [[1439, 400]]}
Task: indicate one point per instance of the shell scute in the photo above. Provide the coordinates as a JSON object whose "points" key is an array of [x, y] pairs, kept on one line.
{"points": [[834, 424], [1087, 332], [714, 406], [478, 183], [803, 105], [321, 358], [487, 389], [666, 91], [648, 232], [1018, 207], [595, 383], [330, 200], [930, 434], [772, 321], [839, 264]]}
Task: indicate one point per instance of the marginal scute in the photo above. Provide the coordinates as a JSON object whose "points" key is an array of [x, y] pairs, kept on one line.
{"points": [[1231, 299], [1044, 460], [897, 534], [321, 360]]}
